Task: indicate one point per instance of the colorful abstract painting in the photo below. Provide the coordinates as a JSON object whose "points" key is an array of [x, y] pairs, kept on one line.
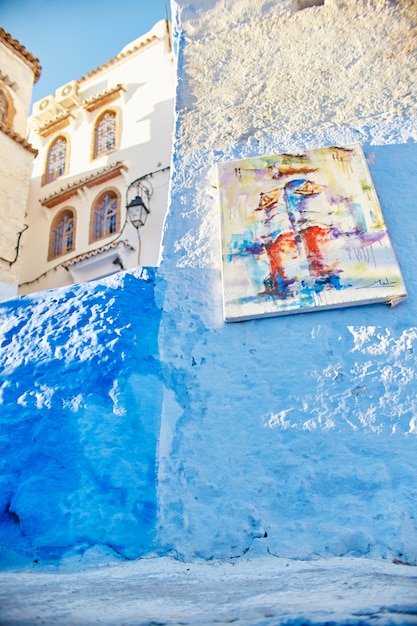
{"points": [[302, 232]]}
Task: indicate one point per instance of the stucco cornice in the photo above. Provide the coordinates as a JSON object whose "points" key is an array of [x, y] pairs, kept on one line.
{"points": [[97, 251], [102, 98], [18, 138], [21, 51], [57, 123], [96, 178]]}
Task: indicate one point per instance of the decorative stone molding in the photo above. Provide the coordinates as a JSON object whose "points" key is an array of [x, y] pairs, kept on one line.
{"points": [[97, 251], [18, 139], [55, 124], [96, 178], [103, 98], [8, 81], [7, 108]]}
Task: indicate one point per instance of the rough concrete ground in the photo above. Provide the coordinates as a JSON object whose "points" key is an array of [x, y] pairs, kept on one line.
{"points": [[263, 591]]}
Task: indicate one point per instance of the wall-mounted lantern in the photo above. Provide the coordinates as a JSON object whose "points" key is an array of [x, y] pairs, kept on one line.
{"points": [[138, 196], [138, 202]]}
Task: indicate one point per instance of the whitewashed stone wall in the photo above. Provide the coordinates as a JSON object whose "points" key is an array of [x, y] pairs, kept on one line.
{"points": [[15, 175], [293, 435], [17, 75]]}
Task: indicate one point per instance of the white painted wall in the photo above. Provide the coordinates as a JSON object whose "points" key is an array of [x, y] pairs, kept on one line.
{"points": [[22, 73], [14, 185], [16, 164]]}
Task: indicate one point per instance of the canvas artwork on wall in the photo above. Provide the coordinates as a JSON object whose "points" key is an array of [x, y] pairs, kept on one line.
{"points": [[302, 232]]}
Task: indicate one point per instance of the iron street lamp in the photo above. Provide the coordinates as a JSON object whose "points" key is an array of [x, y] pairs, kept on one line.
{"points": [[138, 208], [137, 212]]}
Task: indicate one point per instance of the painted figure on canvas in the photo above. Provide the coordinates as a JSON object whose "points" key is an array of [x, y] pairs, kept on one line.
{"points": [[303, 231]]}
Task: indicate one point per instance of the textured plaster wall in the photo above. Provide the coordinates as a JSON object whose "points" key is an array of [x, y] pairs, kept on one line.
{"points": [[21, 74], [294, 435], [80, 398], [133, 419], [16, 165]]}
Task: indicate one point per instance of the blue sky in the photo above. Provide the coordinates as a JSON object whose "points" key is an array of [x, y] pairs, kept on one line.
{"points": [[72, 37]]}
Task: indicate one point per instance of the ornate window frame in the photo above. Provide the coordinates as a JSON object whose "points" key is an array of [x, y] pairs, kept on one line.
{"points": [[107, 224], [62, 233], [95, 154], [46, 178], [7, 121]]}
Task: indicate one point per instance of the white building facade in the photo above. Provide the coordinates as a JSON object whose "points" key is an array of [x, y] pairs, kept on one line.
{"points": [[19, 70], [94, 137]]}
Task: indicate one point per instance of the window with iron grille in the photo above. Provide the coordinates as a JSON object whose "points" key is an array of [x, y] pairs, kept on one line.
{"points": [[62, 238], [105, 134], [105, 216], [56, 161]]}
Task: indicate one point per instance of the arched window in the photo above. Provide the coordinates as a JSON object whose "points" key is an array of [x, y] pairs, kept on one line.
{"points": [[4, 107], [105, 216], [105, 134], [7, 110], [56, 160], [62, 236]]}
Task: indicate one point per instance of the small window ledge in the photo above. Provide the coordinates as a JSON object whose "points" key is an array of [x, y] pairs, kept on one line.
{"points": [[96, 178], [59, 122], [103, 98]]}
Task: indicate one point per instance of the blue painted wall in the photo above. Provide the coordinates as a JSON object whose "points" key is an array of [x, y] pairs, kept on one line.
{"points": [[134, 419], [295, 435], [80, 405]]}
